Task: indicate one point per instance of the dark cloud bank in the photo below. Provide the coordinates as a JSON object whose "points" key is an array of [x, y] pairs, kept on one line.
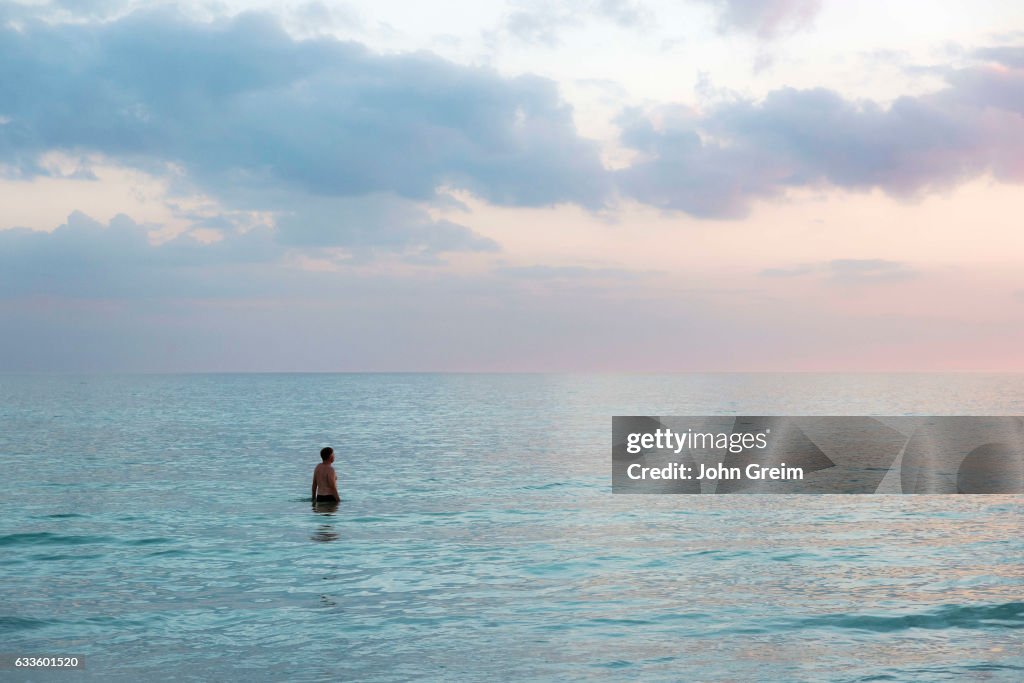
{"points": [[716, 164], [343, 144]]}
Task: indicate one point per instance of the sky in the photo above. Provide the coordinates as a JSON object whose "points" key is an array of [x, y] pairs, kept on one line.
{"points": [[592, 185]]}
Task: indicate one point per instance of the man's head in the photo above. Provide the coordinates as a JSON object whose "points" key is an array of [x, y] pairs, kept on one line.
{"points": [[327, 454]]}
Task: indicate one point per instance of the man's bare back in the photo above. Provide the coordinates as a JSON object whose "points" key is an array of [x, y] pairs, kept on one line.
{"points": [[325, 481]]}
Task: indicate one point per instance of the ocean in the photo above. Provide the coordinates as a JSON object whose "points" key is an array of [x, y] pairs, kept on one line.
{"points": [[161, 525]]}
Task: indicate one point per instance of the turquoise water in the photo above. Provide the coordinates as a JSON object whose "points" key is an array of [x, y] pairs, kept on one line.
{"points": [[162, 524]]}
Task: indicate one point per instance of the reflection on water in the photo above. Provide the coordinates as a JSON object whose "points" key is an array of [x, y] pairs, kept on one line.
{"points": [[325, 533], [325, 508], [478, 518]]}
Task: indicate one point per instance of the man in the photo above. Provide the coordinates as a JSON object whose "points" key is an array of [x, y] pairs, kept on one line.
{"points": [[325, 481]]}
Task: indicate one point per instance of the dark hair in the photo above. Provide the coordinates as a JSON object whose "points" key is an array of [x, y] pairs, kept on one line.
{"points": [[326, 452]]}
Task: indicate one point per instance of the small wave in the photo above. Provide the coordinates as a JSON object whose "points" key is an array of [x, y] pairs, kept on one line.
{"points": [[544, 487], [10, 624], [941, 673], [792, 557], [1008, 615], [61, 557], [607, 621], [615, 664], [148, 541], [47, 538]]}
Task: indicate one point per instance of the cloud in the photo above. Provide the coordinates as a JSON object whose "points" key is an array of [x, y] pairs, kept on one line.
{"points": [[370, 224], [317, 16], [103, 297], [715, 163], [868, 271], [1008, 55], [765, 19], [847, 271], [246, 114], [92, 296], [567, 273], [84, 259], [316, 132], [62, 10], [792, 271], [541, 27], [543, 23]]}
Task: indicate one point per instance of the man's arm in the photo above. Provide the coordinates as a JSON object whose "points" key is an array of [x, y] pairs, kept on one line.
{"points": [[314, 486]]}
